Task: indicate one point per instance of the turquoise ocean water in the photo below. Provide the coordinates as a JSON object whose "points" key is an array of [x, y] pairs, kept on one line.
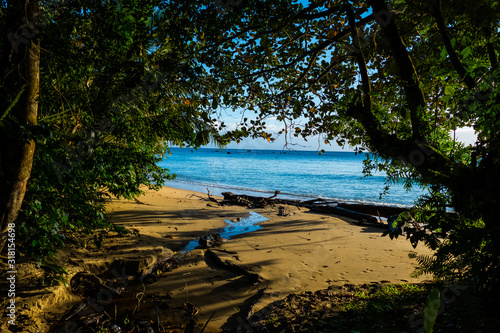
{"points": [[296, 174]]}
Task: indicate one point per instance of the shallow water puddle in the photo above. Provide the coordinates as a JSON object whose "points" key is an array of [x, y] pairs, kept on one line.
{"points": [[243, 226]]}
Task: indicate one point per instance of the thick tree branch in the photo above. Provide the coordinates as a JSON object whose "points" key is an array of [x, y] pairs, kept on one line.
{"points": [[363, 70], [407, 72], [489, 46], [455, 61], [19, 157], [414, 152]]}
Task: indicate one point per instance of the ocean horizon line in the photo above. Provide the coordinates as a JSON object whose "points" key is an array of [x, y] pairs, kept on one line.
{"points": [[283, 151]]}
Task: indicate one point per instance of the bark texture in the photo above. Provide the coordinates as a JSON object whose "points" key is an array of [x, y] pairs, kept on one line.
{"points": [[20, 77]]}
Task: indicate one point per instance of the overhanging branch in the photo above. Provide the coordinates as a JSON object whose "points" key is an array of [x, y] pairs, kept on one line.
{"points": [[406, 70], [455, 61], [489, 46], [313, 52], [360, 59]]}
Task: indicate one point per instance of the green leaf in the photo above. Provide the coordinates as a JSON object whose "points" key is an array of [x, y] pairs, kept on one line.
{"points": [[442, 73], [466, 52], [444, 54]]}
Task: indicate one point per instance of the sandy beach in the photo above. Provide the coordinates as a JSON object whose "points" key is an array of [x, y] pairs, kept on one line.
{"points": [[303, 251]]}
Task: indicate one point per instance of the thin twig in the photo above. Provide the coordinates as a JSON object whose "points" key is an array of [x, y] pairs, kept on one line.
{"points": [[210, 198], [139, 299], [204, 326]]}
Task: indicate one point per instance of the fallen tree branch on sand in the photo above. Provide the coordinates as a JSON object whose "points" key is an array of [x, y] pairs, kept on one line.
{"points": [[362, 213], [210, 198]]}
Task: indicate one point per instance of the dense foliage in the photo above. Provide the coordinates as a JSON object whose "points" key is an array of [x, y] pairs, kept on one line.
{"points": [[116, 89], [396, 78], [119, 79]]}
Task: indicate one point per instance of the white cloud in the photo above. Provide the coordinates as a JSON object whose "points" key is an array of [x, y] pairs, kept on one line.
{"points": [[467, 135]]}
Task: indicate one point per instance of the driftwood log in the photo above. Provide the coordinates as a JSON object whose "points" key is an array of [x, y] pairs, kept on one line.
{"points": [[255, 202], [384, 211], [366, 214]]}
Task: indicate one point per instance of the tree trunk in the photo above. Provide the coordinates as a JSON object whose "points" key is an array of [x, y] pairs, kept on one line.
{"points": [[21, 73]]}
